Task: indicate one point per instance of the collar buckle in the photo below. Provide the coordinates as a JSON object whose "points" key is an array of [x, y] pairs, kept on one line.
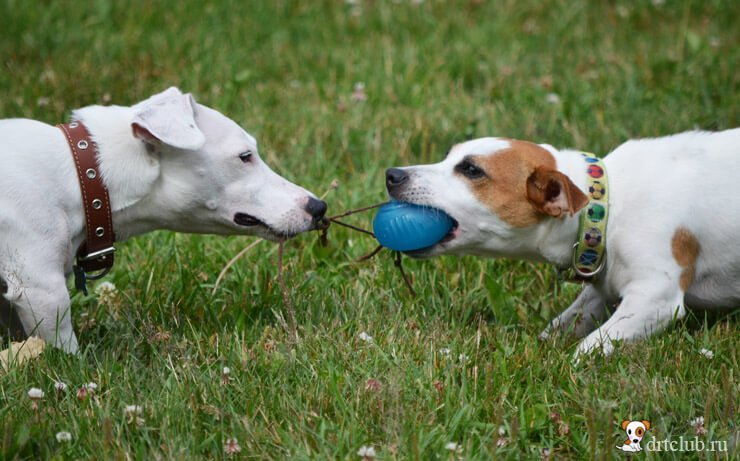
{"points": [[98, 254], [581, 274]]}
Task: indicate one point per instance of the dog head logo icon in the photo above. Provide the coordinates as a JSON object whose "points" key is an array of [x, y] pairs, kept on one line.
{"points": [[635, 431]]}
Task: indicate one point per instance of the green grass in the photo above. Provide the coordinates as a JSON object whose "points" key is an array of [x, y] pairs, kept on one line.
{"points": [[435, 74]]}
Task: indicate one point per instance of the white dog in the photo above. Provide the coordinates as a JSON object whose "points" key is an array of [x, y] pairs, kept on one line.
{"points": [[673, 215], [167, 162]]}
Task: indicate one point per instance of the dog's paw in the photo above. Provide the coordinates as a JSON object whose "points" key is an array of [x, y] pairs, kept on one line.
{"points": [[557, 331], [563, 326], [552, 330], [592, 345], [68, 344]]}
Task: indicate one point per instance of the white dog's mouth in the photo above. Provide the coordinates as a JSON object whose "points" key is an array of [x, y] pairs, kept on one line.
{"points": [[439, 246], [247, 220], [261, 228], [453, 233]]}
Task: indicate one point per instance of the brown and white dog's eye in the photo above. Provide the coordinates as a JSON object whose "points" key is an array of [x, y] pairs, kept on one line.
{"points": [[469, 169], [246, 157]]}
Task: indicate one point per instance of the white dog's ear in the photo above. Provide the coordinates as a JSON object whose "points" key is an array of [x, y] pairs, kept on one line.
{"points": [[553, 193], [169, 118]]}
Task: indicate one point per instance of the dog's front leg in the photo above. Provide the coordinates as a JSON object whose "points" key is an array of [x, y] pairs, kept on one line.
{"points": [[648, 305], [43, 308], [581, 318]]}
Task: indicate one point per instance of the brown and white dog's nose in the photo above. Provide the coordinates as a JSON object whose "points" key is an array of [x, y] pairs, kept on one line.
{"points": [[316, 208], [395, 178]]}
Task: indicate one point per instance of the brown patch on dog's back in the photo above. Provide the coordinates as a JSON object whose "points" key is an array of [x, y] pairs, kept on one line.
{"points": [[685, 248], [505, 189]]}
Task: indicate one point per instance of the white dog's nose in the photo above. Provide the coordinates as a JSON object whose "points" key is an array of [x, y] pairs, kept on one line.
{"points": [[394, 178], [316, 208]]}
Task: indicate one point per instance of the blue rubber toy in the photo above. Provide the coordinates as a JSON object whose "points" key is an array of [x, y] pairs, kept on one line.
{"points": [[405, 227]]}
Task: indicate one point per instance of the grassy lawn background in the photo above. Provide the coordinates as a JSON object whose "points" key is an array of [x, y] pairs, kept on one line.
{"points": [[435, 73]]}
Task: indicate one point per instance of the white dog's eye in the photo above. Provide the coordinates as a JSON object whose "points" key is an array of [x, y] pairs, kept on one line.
{"points": [[246, 156], [469, 169]]}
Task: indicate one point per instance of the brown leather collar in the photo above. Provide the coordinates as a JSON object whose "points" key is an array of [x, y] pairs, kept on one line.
{"points": [[96, 252]]}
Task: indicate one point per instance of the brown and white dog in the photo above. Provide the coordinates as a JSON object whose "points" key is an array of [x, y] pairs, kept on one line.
{"points": [[635, 431], [674, 214]]}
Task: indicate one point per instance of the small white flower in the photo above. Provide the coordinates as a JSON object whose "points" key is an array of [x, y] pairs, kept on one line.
{"points": [[64, 436], [91, 386], [35, 393], [462, 357], [60, 386], [365, 337], [129, 410], [552, 98], [454, 447], [367, 452], [226, 376], [82, 393], [707, 353], [104, 288], [697, 421], [132, 412], [445, 351], [698, 424], [106, 292], [359, 94], [232, 446]]}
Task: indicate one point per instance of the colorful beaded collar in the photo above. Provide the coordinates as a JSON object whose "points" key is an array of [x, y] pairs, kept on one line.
{"points": [[589, 252]]}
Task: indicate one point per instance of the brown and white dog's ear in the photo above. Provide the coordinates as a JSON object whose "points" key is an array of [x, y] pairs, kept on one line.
{"points": [[168, 118], [624, 424], [647, 424], [553, 193]]}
